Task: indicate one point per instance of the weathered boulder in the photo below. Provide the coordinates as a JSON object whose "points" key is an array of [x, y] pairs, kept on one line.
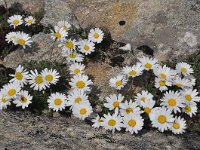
{"points": [[162, 25], [28, 5], [43, 48]]}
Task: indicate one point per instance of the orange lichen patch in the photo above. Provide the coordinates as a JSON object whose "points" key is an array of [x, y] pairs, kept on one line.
{"points": [[99, 71]]}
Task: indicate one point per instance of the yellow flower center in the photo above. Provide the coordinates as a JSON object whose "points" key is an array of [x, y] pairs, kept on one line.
{"points": [[86, 48], [23, 99], [77, 71], [57, 35], [188, 98], [148, 66], [96, 35], [132, 123], [78, 100], [179, 84], [65, 27], [69, 45], [15, 22], [162, 75], [83, 111], [172, 102], [187, 109], [80, 84], [112, 122], [176, 125], [162, 119], [12, 92], [184, 70], [162, 82], [116, 104], [58, 102], [49, 77], [129, 110], [19, 76], [38, 79], [30, 21], [4, 100], [72, 55], [21, 42], [132, 73], [118, 83], [147, 110], [99, 120], [143, 99]]}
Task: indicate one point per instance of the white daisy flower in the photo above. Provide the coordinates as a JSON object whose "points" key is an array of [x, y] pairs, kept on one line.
{"points": [[11, 90], [127, 108], [15, 20], [59, 34], [112, 122], [191, 82], [76, 97], [50, 76], [81, 82], [133, 123], [118, 82], [72, 56], [97, 122], [37, 81], [162, 84], [190, 109], [135, 70], [190, 95], [57, 101], [173, 101], [161, 118], [163, 72], [148, 63], [86, 47], [4, 101], [10, 37], [29, 20], [69, 45], [82, 111], [76, 68], [22, 39], [23, 99], [174, 74], [96, 35], [181, 83], [148, 105], [184, 68], [143, 96], [64, 24], [178, 126], [21, 76], [114, 102]]}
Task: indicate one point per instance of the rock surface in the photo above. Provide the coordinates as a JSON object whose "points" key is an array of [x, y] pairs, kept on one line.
{"points": [[28, 5], [161, 25], [43, 48], [23, 130]]}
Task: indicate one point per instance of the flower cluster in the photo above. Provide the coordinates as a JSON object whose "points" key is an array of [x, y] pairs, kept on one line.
{"points": [[75, 49], [19, 38], [13, 91], [163, 113]]}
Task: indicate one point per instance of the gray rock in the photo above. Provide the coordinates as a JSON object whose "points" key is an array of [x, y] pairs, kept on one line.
{"points": [[43, 48], [40, 132], [28, 5], [152, 23], [57, 10]]}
